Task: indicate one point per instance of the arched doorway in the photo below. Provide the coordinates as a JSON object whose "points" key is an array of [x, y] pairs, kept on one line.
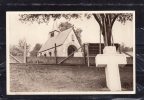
{"points": [[71, 49]]}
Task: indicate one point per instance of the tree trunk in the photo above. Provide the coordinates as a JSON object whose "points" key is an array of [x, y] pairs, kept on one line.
{"points": [[106, 22], [107, 34]]}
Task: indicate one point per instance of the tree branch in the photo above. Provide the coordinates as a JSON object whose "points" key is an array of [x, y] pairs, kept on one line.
{"points": [[98, 20], [115, 17]]}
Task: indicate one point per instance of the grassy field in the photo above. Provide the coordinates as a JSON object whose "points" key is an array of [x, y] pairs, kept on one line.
{"points": [[55, 78]]}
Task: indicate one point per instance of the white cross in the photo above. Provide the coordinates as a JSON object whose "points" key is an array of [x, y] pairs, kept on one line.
{"points": [[110, 60]]}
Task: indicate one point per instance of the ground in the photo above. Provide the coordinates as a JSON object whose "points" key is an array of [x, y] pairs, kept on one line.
{"points": [[55, 78]]}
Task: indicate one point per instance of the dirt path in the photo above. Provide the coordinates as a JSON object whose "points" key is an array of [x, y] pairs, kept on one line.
{"points": [[50, 78]]}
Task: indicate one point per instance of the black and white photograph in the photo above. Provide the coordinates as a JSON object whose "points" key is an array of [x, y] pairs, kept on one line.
{"points": [[70, 52]]}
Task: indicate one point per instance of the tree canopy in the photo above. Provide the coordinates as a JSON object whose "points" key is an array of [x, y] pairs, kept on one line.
{"points": [[44, 18], [105, 20]]}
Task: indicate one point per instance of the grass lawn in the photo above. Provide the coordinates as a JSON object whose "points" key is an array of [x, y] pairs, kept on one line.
{"points": [[55, 78]]}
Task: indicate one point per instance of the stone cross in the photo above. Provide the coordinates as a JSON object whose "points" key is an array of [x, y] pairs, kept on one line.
{"points": [[110, 59]]}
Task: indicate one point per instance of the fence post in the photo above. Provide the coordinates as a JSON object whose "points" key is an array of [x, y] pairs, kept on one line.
{"points": [[119, 49], [25, 53], [88, 55], [55, 53], [100, 44], [84, 53]]}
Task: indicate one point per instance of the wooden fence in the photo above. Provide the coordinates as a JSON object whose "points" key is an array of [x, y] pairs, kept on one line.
{"points": [[71, 61]]}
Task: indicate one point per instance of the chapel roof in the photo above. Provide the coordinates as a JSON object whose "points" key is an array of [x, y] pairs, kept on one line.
{"points": [[59, 40]]}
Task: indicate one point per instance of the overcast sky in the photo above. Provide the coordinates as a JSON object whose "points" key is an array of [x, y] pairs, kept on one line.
{"points": [[38, 33]]}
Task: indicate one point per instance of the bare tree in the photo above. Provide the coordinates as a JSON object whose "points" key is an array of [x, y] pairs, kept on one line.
{"points": [[16, 50]]}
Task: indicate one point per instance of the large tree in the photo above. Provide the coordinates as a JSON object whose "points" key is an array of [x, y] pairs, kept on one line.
{"points": [[105, 20]]}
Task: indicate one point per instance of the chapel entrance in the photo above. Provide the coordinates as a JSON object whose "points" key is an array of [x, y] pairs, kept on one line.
{"points": [[71, 49]]}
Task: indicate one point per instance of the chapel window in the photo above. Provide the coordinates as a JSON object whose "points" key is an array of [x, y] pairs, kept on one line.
{"points": [[50, 54], [72, 37], [45, 54]]}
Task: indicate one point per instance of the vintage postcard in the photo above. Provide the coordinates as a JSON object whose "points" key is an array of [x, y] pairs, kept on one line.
{"points": [[70, 52]]}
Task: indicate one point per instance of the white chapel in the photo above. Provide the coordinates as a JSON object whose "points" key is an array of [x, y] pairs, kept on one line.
{"points": [[63, 42]]}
